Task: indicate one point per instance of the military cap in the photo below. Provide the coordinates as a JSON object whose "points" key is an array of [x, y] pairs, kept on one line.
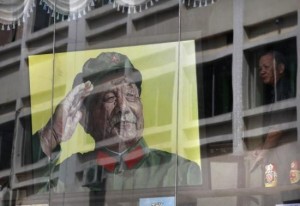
{"points": [[108, 63]]}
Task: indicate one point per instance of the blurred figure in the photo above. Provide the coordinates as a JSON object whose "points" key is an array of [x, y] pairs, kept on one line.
{"points": [[278, 154]]}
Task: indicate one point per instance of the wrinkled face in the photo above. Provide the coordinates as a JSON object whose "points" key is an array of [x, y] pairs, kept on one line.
{"points": [[267, 70], [117, 112]]}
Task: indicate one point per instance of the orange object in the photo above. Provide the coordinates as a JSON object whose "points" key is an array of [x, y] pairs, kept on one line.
{"points": [[270, 175], [295, 172]]}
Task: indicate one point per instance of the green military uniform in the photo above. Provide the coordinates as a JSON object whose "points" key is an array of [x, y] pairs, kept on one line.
{"points": [[137, 168], [141, 167]]}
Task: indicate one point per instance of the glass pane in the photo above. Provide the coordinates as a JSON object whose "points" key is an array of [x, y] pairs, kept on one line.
{"points": [[271, 136], [262, 82], [211, 123], [170, 102], [216, 94], [24, 173], [123, 150]]}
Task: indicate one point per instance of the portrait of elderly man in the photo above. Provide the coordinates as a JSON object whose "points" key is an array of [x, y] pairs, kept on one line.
{"points": [[105, 100]]}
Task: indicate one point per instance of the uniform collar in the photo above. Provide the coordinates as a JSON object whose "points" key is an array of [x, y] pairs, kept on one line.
{"points": [[128, 160]]}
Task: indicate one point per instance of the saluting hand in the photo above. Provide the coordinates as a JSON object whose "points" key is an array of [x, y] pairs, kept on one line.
{"points": [[65, 118]]}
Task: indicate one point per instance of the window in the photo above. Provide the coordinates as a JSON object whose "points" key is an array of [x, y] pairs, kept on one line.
{"points": [[6, 141], [261, 93], [44, 16], [8, 36], [214, 87], [27, 141]]}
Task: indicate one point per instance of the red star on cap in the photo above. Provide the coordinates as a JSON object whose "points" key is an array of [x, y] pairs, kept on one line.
{"points": [[115, 59]]}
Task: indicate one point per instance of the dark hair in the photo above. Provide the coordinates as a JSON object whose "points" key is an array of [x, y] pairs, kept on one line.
{"points": [[279, 57]]}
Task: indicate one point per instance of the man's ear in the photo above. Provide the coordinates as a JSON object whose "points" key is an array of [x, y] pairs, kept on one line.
{"points": [[281, 69]]}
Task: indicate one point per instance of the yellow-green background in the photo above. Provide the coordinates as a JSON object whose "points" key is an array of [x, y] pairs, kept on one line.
{"points": [[169, 94]]}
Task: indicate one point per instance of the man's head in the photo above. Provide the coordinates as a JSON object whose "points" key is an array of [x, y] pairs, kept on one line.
{"points": [[113, 110], [271, 67]]}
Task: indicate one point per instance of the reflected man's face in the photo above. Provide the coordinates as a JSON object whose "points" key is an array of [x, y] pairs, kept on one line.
{"points": [[267, 70], [117, 112]]}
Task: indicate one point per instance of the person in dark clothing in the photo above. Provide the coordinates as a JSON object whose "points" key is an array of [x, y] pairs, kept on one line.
{"points": [[272, 71], [279, 150], [272, 68]]}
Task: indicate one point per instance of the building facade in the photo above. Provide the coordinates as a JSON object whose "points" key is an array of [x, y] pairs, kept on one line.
{"points": [[236, 109]]}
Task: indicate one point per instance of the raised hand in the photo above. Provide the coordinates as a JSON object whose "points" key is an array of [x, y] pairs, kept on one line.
{"points": [[65, 118], [259, 156]]}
